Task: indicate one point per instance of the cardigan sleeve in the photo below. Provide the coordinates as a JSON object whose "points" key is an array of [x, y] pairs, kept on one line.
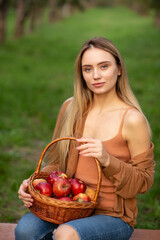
{"points": [[63, 108], [135, 176], [51, 167]]}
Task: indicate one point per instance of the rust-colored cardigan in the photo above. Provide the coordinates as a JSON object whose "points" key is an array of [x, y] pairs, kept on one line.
{"points": [[129, 179]]}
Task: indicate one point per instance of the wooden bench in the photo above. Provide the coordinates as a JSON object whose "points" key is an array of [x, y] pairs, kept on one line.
{"points": [[7, 233], [145, 234]]}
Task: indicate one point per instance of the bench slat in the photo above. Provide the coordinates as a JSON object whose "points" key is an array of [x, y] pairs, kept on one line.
{"points": [[145, 234], [7, 231]]}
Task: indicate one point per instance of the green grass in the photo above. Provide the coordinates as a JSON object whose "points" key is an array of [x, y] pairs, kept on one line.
{"points": [[36, 76]]}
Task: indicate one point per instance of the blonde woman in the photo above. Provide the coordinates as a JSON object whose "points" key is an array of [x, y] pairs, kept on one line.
{"points": [[105, 116]]}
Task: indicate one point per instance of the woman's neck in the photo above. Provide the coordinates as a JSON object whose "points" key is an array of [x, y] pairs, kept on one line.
{"points": [[107, 101]]}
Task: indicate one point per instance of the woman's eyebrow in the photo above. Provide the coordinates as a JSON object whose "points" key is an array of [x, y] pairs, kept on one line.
{"points": [[104, 62], [86, 65], [89, 65]]}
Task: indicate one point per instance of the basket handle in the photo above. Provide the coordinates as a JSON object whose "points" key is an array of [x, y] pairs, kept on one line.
{"points": [[74, 139]]}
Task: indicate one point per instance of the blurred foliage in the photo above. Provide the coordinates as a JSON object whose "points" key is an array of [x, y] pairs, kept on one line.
{"points": [[33, 10]]}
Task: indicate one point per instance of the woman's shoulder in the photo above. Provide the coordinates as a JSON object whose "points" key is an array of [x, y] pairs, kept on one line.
{"points": [[135, 118], [64, 107], [136, 125], [66, 103], [136, 132]]}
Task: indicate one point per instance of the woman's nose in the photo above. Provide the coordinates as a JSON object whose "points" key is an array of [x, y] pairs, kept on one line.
{"points": [[96, 74]]}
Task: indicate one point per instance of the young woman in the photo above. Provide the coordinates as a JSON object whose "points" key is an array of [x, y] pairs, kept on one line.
{"points": [[105, 116]]}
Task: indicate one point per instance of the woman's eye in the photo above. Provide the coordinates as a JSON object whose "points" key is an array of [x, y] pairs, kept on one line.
{"points": [[104, 66], [87, 69]]}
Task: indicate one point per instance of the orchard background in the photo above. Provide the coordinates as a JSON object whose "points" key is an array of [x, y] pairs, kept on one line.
{"points": [[36, 76]]}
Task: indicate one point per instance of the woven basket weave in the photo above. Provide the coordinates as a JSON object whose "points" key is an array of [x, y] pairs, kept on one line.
{"points": [[58, 211]]}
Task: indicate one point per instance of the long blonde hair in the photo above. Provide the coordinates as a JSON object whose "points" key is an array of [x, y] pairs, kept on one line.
{"points": [[82, 100]]}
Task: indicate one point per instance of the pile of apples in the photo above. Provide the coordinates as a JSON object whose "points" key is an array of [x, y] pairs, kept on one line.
{"points": [[59, 186]]}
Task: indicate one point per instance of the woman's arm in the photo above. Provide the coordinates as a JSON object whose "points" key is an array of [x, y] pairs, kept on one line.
{"points": [[23, 195], [135, 176], [136, 132], [63, 108], [50, 167]]}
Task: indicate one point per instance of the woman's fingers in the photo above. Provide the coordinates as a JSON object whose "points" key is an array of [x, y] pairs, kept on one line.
{"points": [[28, 201], [89, 149], [86, 146], [90, 146], [89, 143], [86, 140], [25, 199], [28, 205], [23, 196], [93, 148]]}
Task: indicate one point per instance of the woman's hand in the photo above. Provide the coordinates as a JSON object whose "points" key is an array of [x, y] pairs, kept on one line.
{"points": [[25, 197], [93, 148]]}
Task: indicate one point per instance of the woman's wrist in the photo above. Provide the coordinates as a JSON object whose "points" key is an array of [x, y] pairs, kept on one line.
{"points": [[106, 162]]}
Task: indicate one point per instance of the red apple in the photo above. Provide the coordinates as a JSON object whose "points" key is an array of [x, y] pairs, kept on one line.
{"points": [[78, 186], [44, 188], [53, 176], [61, 187], [81, 197], [38, 180], [65, 199]]}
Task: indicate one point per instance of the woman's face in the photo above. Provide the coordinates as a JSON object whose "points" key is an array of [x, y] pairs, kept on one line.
{"points": [[100, 70]]}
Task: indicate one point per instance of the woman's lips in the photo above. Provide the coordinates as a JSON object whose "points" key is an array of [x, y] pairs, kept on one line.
{"points": [[98, 84]]}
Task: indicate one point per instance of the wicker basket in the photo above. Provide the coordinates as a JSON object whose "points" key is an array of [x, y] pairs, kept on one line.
{"points": [[58, 211]]}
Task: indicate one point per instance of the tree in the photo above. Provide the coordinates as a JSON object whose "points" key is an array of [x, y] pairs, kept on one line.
{"points": [[140, 6], [23, 7], [53, 5], [66, 8], [35, 12], [3, 12], [156, 5], [105, 3]]}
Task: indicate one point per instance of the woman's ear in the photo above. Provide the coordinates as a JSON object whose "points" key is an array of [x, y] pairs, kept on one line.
{"points": [[119, 71]]}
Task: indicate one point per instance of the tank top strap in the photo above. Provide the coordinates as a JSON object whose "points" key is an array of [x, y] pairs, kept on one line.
{"points": [[123, 117]]}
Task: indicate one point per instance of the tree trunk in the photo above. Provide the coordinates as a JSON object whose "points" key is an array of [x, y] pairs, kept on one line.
{"points": [[157, 19], [3, 11], [21, 17], [53, 10], [36, 17], [66, 9], [33, 15], [140, 8]]}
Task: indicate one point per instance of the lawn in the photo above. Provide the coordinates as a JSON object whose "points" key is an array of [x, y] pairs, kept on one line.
{"points": [[36, 76]]}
